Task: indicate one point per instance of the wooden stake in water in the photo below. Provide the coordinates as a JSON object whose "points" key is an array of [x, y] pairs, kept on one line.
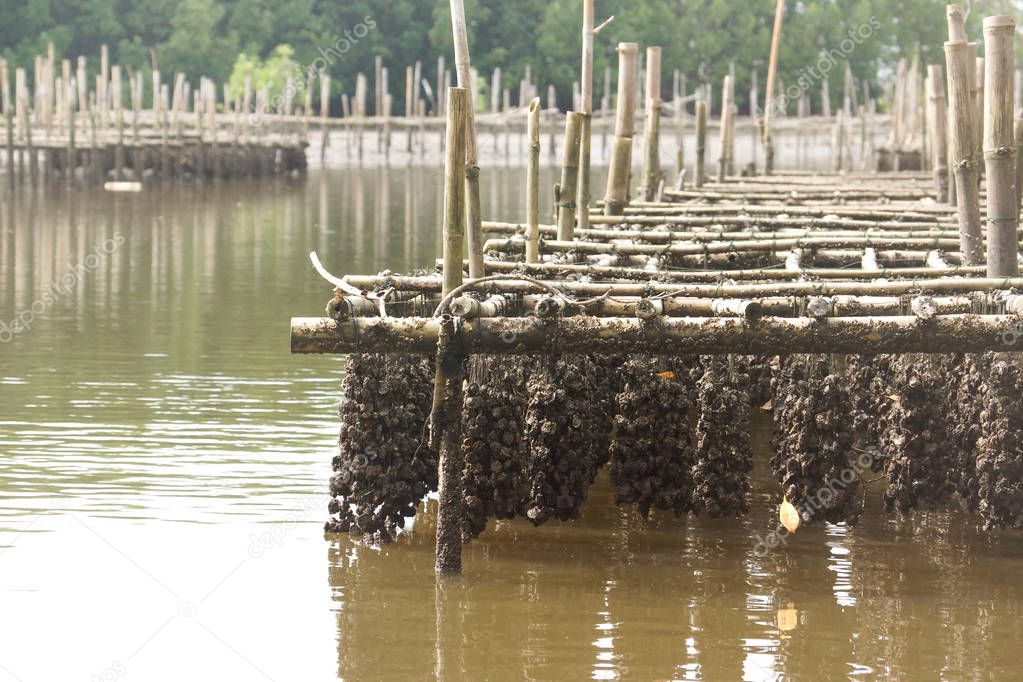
{"points": [[1000, 148]]}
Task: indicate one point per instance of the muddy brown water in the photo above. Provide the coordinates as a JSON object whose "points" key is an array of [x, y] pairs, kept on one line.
{"points": [[163, 477]]}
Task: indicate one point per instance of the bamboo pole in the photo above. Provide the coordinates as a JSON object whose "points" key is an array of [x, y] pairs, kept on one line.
{"points": [[617, 196], [454, 186], [472, 171], [569, 176], [1000, 148], [669, 336], [727, 121], [938, 117], [725, 246], [446, 431], [611, 273], [586, 108], [652, 123], [963, 157], [772, 72], [1019, 158], [701, 145], [533, 184]]}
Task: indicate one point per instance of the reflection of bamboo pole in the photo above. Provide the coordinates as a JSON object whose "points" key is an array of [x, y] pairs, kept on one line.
{"points": [[772, 70], [533, 184], [472, 182], [1000, 148]]}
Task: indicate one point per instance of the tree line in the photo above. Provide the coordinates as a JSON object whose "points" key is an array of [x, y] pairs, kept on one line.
{"points": [[701, 38]]}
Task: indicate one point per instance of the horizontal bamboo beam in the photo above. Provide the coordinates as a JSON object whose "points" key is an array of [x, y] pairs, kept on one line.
{"points": [[662, 236], [877, 288], [664, 336], [724, 246]]}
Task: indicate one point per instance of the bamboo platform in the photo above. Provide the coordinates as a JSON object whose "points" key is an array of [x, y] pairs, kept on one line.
{"points": [[874, 309]]}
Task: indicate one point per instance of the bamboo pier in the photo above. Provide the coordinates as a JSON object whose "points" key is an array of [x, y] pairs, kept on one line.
{"points": [[855, 286]]}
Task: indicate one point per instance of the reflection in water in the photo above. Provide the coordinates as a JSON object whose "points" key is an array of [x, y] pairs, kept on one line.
{"points": [[156, 388]]}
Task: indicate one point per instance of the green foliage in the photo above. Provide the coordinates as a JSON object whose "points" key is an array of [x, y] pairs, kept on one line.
{"points": [[271, 73], [700, 38]]}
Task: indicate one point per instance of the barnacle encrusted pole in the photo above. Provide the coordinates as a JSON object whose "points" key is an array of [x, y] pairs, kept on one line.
{"points": [[533, 184], [474, 216], [1000, 148], [617, 196], [964, 160], [652, 124], [772, 72], [445, 424]]}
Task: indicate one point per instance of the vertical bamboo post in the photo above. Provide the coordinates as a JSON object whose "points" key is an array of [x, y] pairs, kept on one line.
{"points": [[1018, 133], [652, 123], [772, 72], [495, 90], [569, 176], [454, 186], [754, 97], [938, 117], [5, 89], [699, 175], [586, 107], [445, 421], [725, 158], [472, 170], [1000, 148], [325, 114], [964, 161], [978, 98], [70, 113], [617, 196], [533, 184], [680, 124], [956, 17]]}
